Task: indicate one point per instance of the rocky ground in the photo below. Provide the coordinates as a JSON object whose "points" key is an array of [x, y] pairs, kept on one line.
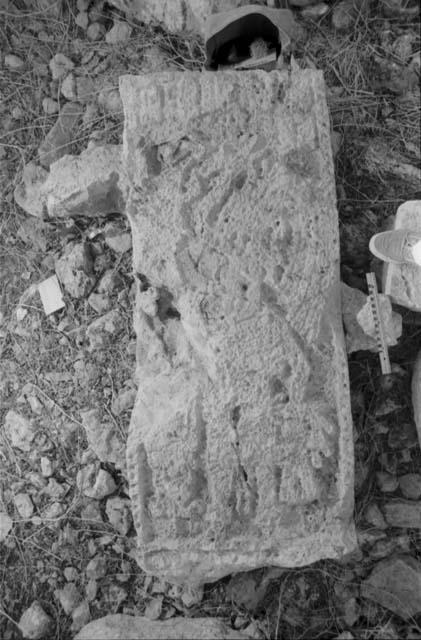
{"points": [[66, 385]]}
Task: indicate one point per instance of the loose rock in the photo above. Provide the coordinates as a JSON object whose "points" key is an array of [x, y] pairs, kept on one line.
{"points": [[14, 63], [153, 608], [6, 524], [103, 438], [402, 513], [28, 194], [95, 31], [119, 33], [343, 15], [60, 65], [24, 505], [96, 568], [316, 11], [59, 139], [395, 584], [374, 516], [87, 185], [19, 430], [410, 485], [71, 574], [386, 482], [119, 514], [82, 20], [35, 624], [50, 106], [124, 627], [81, 616], [358, 322], [124, 401], [118, 241], [100, 303], [91, 512], [95, 483], [104, 329], [110, 101], [74, 270], [69, 597], [68, 87]]}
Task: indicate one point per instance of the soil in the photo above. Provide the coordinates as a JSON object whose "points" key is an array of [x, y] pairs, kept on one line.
{"points": [[50, 373]]}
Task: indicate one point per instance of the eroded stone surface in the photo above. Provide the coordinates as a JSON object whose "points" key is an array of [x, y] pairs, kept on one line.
{"points": [[124, 627], [402, 282], [240, 445]]}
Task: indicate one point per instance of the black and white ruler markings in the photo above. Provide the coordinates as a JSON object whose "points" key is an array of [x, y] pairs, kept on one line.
{"points": [[378, 324]]}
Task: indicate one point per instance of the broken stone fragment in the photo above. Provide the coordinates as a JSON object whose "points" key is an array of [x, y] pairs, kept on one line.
{"points": [[119, 241], [104, 329], [34, 623], [69, 597], [403, 513], [59, 139], [28, 193], [6, 525], [359, 322], [74, 270], [240, 444], [14, 63], [402, 282], [410, 485], [24, 505], [96, 568], [103, 439], [119, 33], [80, 616], [119, 514], [124, 627], [68, 87], [95, 483], [19, 430], [60, 65], [86, 185], [395, 584]]}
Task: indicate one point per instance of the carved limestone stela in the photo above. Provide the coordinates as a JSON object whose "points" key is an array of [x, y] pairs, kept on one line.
{"points": [[240, 451]]}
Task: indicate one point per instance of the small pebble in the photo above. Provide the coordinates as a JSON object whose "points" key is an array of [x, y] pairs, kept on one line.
{"points": [[68, 87], [71, 574], [410, 485], [386, 482], [95, 31], [13, 62], [343, 15], [60, 65], [46, 467], [24, 505], [82, 20], [96, 568], [69, 597], [35, 623], [316, 11], [374, 516]]}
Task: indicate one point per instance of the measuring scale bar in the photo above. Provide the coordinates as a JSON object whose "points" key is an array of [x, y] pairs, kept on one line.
{"points": [[378, 324]]}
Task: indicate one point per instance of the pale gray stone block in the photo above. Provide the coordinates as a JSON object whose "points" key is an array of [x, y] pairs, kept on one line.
{"points": [[240, 451]]}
